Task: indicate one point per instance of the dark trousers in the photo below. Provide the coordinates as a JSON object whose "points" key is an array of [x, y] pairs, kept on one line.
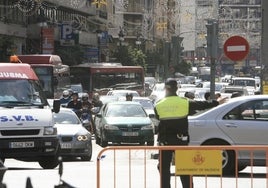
{"points": [[164, 166]]}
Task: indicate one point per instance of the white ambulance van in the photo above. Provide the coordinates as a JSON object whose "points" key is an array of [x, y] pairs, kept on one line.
{"points": [[27, 129]]}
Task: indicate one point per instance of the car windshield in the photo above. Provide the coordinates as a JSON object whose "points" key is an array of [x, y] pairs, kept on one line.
{"points": [[244, 83], [78, 88], [65, 118], [21, 92], [125, 110], [147, 104], [123, 93]]}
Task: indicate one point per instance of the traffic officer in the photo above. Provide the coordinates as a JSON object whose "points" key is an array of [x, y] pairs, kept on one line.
{"points": [[129, 97], [172, 111]]}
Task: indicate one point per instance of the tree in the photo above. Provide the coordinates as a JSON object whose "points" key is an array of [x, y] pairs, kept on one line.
{"points": [[183, 67], [6, 45], [131, 56], [70, 55]]}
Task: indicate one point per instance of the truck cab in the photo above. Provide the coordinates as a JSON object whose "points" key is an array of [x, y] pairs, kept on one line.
{"points": [[27, 129]]}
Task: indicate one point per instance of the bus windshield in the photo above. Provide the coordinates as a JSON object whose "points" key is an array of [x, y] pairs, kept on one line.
{"points": [[52, 73], [45, 76], [102, 79]]}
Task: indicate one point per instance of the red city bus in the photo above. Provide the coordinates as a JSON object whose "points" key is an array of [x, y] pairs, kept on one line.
{"points": [[102, 77], [54, 75]]}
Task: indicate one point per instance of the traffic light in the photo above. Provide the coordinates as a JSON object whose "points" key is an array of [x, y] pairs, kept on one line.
{"points": [[176, 49], [209, 39], [212, 38], [180, 49]]}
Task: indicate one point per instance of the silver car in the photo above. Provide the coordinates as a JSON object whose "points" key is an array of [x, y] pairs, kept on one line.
{"points": [[240, 121], [148, 106], [75, 140]]}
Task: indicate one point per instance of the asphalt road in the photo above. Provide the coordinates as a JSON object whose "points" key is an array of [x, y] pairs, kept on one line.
{"points": [[83, 174]]}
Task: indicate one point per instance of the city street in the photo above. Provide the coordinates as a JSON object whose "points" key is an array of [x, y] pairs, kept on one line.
{"points": [[84, 54], [83, 174]]}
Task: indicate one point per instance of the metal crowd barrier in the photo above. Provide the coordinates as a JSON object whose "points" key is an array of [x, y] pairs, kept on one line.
{"points": [[136, 166]]}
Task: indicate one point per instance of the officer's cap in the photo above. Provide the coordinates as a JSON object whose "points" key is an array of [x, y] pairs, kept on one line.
{"points": [[171, 83]]}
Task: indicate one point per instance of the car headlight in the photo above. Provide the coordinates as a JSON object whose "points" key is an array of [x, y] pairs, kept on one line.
{"points": [[50, 131], [82, 138], [147, 127], [110, 127]]}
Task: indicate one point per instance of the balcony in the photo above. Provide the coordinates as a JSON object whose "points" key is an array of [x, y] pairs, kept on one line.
{"points": [[83, 7]]}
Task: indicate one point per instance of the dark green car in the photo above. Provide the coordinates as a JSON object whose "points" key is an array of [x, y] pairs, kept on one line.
{"points": [[123, 122]]}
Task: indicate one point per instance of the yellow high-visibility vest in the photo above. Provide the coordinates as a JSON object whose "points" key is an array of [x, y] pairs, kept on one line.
{"points": [[172, 107]]}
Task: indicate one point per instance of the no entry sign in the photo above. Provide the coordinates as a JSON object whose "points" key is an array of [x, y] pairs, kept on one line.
{"points": [[236, 48]]}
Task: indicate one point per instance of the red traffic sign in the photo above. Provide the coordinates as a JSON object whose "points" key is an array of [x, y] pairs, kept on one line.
{"points": [[236, 48]]}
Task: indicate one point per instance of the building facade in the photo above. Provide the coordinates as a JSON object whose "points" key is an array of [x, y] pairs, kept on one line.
{"points": [[166, 27], [243, 18], [39, 26]]}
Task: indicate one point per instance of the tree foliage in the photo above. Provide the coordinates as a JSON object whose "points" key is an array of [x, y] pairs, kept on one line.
{"points": [[183, 67], [6, 45], [127, 55], [70, 55]]}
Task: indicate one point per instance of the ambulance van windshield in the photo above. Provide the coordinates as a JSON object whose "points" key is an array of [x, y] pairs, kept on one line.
{"points": [[20, 92], [19, 85]]}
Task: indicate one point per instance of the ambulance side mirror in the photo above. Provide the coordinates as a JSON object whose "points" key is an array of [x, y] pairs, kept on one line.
{"points": [[56, 105]]}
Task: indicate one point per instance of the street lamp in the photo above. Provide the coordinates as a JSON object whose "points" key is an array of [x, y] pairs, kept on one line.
{"points": [[99, 35], [42, 24], [121, 36], [120, 50], [138, 41]]}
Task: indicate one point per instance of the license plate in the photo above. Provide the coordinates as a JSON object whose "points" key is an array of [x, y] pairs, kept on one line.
{"points": [[130, 134], [21, 144], [66, 145]]}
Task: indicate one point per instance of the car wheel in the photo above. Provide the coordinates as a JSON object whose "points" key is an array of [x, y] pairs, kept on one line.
{"points": [[89, 156], [103, 143], [228, 158], [49, 163], [3, 160], [142, 143], [97, 139], [242, 167]]}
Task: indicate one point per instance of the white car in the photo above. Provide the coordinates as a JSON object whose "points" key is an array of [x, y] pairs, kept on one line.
{"points": [[158, 92], [122, 93], [240, 121]]}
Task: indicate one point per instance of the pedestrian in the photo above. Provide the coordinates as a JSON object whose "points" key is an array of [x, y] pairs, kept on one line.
{"points": [[75, 104], [207, 95], [189, 95], [96, 102], [129, 97], [17, 91], [172, 111], [217, 95]]}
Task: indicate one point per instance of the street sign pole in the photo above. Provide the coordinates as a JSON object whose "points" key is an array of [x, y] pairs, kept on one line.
{"points": [[212, 51], [264, 47]]}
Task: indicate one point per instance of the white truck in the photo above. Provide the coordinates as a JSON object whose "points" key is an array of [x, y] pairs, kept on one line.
{"points": [[27, 129], [247, 82]]}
